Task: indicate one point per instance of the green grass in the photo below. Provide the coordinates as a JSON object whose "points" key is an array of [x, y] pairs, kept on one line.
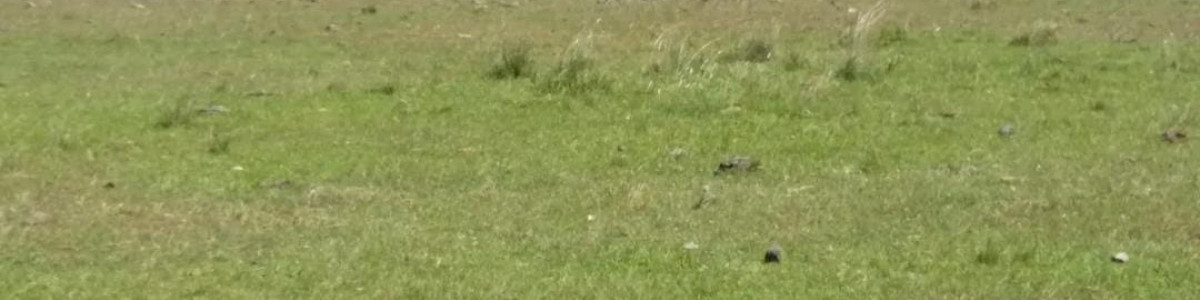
{"points": [[375, 161]]}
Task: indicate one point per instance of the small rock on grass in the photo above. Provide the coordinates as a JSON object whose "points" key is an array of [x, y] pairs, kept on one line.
{"points": [[691, 246], [774, 254], [1174, 136], [676, 153], [737, 164], [1007, 130], [1120, 257], [214, 109]]}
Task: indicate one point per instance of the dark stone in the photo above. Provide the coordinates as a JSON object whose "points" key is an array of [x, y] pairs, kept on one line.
{"points": [[773, 254], [737, 164], [1174, 136]]}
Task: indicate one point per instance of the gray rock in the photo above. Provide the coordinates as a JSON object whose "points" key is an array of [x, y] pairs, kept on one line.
{"points": [[737, 164], [1174, 136], [1007, 130], [213, 110], [676, 153], [706, 198], [1120, 257]]}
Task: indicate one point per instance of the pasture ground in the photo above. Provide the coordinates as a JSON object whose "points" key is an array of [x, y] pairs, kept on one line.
{"points": [[374, 149]]}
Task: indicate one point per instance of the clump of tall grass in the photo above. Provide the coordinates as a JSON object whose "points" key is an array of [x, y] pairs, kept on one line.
{"points": [[1175, 60], [369, 10], [753, 51], [1042, 34], [793, 62], [891, 35], [386, 89], [679, 56], [175, 114], [576, 71], [981, 4], [217, 144], [515, 61], [989, 255], [856, 43]]}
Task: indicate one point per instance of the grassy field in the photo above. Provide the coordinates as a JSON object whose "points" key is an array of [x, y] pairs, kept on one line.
{"points": [[565, 149]]}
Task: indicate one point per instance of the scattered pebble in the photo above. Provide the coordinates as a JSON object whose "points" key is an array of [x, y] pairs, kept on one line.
{"points": [[277, 184], [37, 218], [591, 218], [238, 168], [214, 109], [706, 197], [774, 253], [1007, 130], [1174, 136], [260, 93], [691, 246], [1120, 257], [737, 164], [331, 27], [676, 153]]}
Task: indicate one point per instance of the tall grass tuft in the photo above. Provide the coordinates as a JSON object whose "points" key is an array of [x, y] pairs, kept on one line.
{"points": [[678, 56], [891, 35], [989, 255], [981, 4], [856, 42], [793, 62], [177, 113], [515, 62], [218, 144], [1042, 34], [386, 89], [753, 51], [576, 71]]}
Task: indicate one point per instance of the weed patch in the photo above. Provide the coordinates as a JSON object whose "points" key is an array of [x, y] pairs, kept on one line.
{"points": [[175, 114], [857, 47], [752, 51], [515, 61], [575, 75], [218, 144], [1042, 34]]}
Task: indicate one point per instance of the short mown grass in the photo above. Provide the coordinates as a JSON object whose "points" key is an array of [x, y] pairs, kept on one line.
{"points": [[386, 159]]}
